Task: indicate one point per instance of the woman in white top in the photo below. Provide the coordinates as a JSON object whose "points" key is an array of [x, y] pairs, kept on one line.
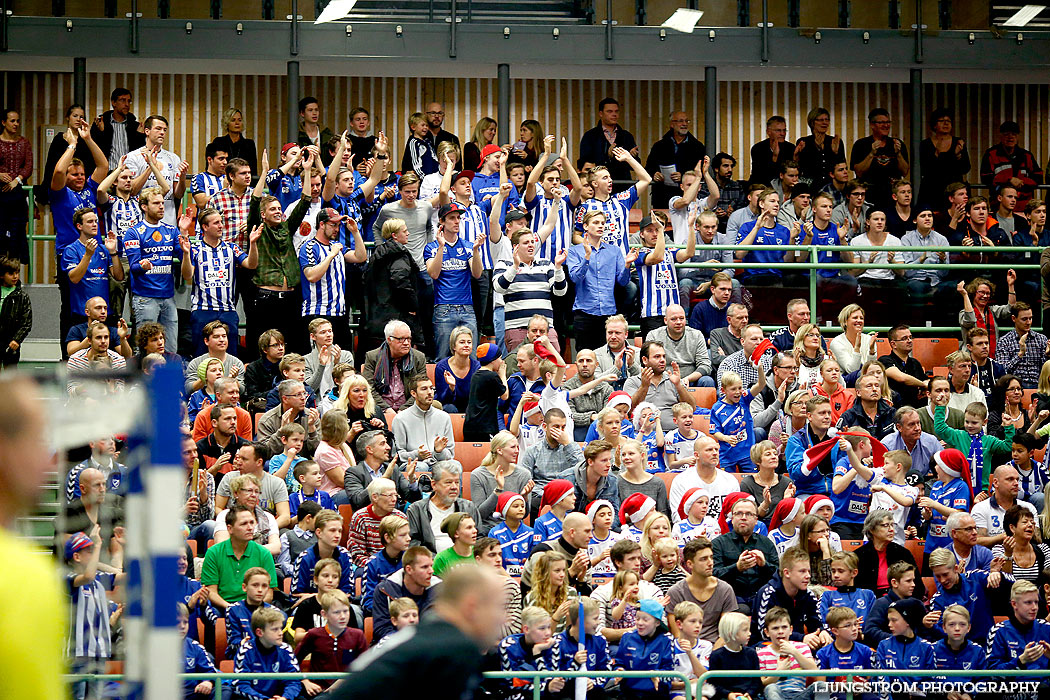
{"points": [[808, 354], [853, 347]]}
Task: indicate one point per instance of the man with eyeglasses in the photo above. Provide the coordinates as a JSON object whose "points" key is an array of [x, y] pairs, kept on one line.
{"points": [[767, 406], [391, 366], [880, 158], [909, 436], [679, 149], [435, 114], [905, 374], [292, 409], [963, 530]]}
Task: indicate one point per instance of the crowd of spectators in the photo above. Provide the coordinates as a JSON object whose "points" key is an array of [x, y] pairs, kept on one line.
{"points": [[402, 400]]}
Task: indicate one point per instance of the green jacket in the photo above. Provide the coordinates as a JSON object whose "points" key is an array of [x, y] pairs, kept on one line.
{"points": [[960, 440]]}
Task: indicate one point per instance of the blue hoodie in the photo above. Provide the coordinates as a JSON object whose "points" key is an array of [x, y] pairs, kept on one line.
{"points": [[859, 600], [253, 659], [1007, 641], [638, 653], [197, 660], [239, 625], [378, 568], [971, 593], [970, 657], [303, 573], [515, 654], [597, 648]]}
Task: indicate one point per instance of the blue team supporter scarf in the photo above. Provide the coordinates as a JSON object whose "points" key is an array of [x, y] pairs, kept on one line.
{"points": [[976, 458]]}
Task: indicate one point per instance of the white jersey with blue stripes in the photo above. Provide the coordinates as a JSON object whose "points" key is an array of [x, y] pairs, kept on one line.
{"points": [[326, 296], [617, 210], [215, 276], [659, 283]]}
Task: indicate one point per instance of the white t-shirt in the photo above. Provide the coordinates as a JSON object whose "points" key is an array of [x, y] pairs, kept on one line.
{"points": [[883, 500], [989, 515], [680, 218], [603, 570], [169, 165], [437, 516], [874, 273], [305, 231], [552, 397], [723, 485], [702, 651], [959, 401], [428, 187]]}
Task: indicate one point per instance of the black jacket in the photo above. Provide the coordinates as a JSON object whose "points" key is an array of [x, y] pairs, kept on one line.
{"points": [[594, 148], [880, 427], [392, 275], [104, 136], [16, 320], [684, 156], [244, 149], [868, 564]]}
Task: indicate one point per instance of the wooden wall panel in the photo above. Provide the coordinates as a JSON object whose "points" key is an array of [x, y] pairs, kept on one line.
{"points": [[194, 105]]}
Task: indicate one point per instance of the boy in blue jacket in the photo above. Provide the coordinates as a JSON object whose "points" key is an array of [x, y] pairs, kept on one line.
{"points": [[845, 653], [394, 534], [328, 529], [903, 649], [843, 571], [534, 649], [197, 659], [1022, 641], [265, 652], [648, 647], [954, 652], [239, 615], [969, 589], [593, 657]]}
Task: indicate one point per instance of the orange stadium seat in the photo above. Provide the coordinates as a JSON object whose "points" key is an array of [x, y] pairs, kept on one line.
{"points": [[368, 629], [346, 511], [570, 371], [470, 454], [850, 545], [226, 666], [465, 489], [220, 640], [704, 396], [457, 426], [430, 370], [916, 547], [931, 585], [667, 478], [932, 351]]}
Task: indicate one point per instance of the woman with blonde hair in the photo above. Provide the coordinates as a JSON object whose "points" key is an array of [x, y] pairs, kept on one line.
{"points": [[498, 472], [633, 478], [484, 134], [656, 526], [234, 142], [766, 486], [853, 347], [356, 400], [550, 588], [808, 354]]}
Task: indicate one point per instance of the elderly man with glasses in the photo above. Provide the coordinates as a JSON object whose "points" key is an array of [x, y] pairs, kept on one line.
{"points": [[769, 404], [389, 367], [962, 528], [292, 409]]}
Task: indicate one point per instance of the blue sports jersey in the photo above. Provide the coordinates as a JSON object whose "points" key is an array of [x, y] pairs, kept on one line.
{"points": [[487, 187], [547, 527], [851, 506], [626, 430], [561, 237], [912, 654], [954, 494], [658, 282], [350, 206], [595, 645], [453, 284], [859, 600], [215, 276], [474, 222], [239, 625], [326, 296], [829, 236], [303, 573], [515, 545], [118, 216], [678, 446], [654, 454], [617, 210], [207, 184], [319, 497], [195, 660], [778, 235], [1007, 641], [731, 419], [638, 653], [64, 203], [859, 656], [94, 283], [253, 658], [971, 594], [288, 189], [160, 246], [971, 657]]}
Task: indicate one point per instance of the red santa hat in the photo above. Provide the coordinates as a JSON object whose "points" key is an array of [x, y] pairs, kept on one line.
{"points": [[954, 463], [542, 352], [504, 501], [819, 452], [727, 508], [592, 508], [817, 501], [554, 491], [617, 398], [785, 512], [635, 508], [761, 349], [691, 496]]}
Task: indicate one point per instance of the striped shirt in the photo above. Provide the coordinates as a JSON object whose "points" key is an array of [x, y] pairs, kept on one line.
{"points": [[234, 211], [659, 283], [207, 184], [325, 297], [475, 222], [89, 634], [119, 216], [79, 365], [561, 237], [529, 291], [617, 210], [351, 206], [215, 276]]}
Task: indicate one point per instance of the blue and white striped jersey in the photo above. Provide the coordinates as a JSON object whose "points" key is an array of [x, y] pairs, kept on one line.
{"points": [[473, 223], [206, 183], [351, 206], [118, 216], [288, 189], [617, 211], [325, 297], [89, 634], [659, 283], [215, 275], [561, 237]]}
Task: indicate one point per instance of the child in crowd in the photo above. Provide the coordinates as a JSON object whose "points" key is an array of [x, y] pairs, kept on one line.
{"points": [[193, 595], [693, 518], [890, 491], [488, 386], [300, 538], [968, 588], [394, 534], [621, 401], [196, 659], [734, 629], [292, 366], [327, 574], [845, 653], [308, 477], [403, 613], [901, 577], [256, 585], [731, 422], [691, 654], [89, 635], [339, 372], [648, 647], [655, 526], [526, 423], [265, 652], [16, 312], [903, 649], [623, 605], [955, 652], [649, 433], [678, 444], [949, 494], [534, 649], [282, 465], [603, 537], [850, 489], [665, 571], [783, 526], [595, 653], [979, 447], [514, 536], [560, 495], [780, 653], [208, 372], [843, 571], [1034, 476], [332, 647]]}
